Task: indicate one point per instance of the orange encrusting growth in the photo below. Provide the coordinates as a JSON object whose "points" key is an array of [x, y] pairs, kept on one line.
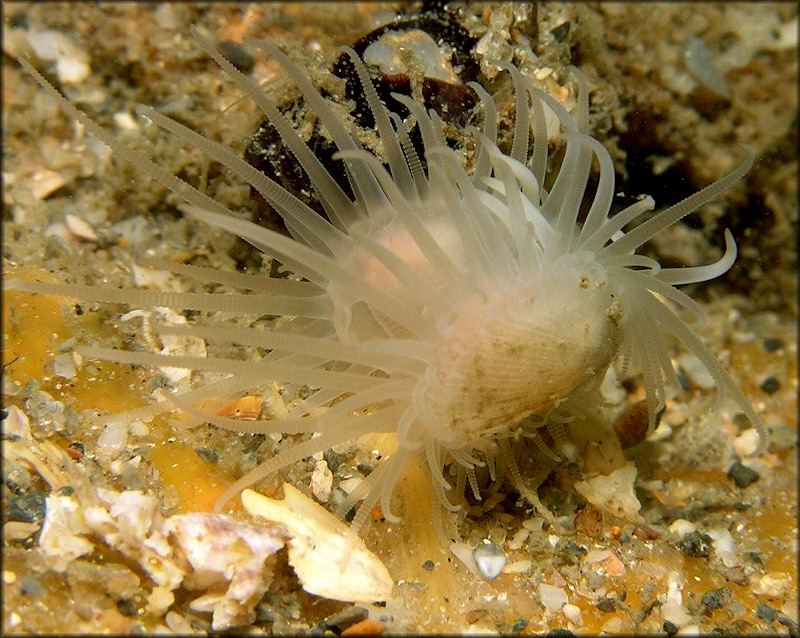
{"points": [[198, 486], [34, 326]]}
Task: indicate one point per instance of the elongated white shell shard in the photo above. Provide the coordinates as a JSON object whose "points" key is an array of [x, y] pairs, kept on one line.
{"points": [[329, 559]]}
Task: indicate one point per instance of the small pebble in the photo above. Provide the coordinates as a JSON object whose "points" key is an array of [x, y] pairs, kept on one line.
{"points": [[646, 533], [345, 618], [560, 32], [265, 615], [128, 606], [766, 612], [554, 598], [741, 475], [519, 625], [208, 456], [237, 55], [771, 344], [755, 557], [490, 559], [716, 599], [773, 584], [770, 385], [670, 628], [607, 605], [746, 443], [32, 587], [26, 508], [681, 527], [696, 544], [573, 613], [428, 565]]}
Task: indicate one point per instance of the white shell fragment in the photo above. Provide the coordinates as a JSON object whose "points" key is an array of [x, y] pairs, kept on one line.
{"points": [[321, 481], [613, 493], [62, 538], [329, 559], [16, 424], [44, 183], [490, 559], [464, 553], [199, 551], [80, 228], [221, 550]]}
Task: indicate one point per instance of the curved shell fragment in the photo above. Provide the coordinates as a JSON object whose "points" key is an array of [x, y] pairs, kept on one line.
{"points": [[329, 559]]}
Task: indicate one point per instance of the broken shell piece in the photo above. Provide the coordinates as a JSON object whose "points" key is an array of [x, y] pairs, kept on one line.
{"points": [[16, 424], [221, 550], [329, 559], [321, 481], [45, 182], [463, 552], [80, 228], [62, 538], [614, 493]]}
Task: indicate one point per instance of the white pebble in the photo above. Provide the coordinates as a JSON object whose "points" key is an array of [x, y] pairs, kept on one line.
{"points": [[348, 485], [125, 121], [774, 584], [723, 541], [321, 481], [681, 527], [554, 598], [746, 443], [138, 428], [518, 539], [64, 366], [518, 566], [573, 613], [490, 559], [696, 371], [675, 613], [114, 437], [463, 552], [72, 62]]}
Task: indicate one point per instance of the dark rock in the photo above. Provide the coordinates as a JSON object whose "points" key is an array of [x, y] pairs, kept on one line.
{"points": [[766, 612], [606, 605], [696, 544], [716, 599], [770, 385], [519, 625], [237, 55], [27, 508], [345, 618], [741, 475]]}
